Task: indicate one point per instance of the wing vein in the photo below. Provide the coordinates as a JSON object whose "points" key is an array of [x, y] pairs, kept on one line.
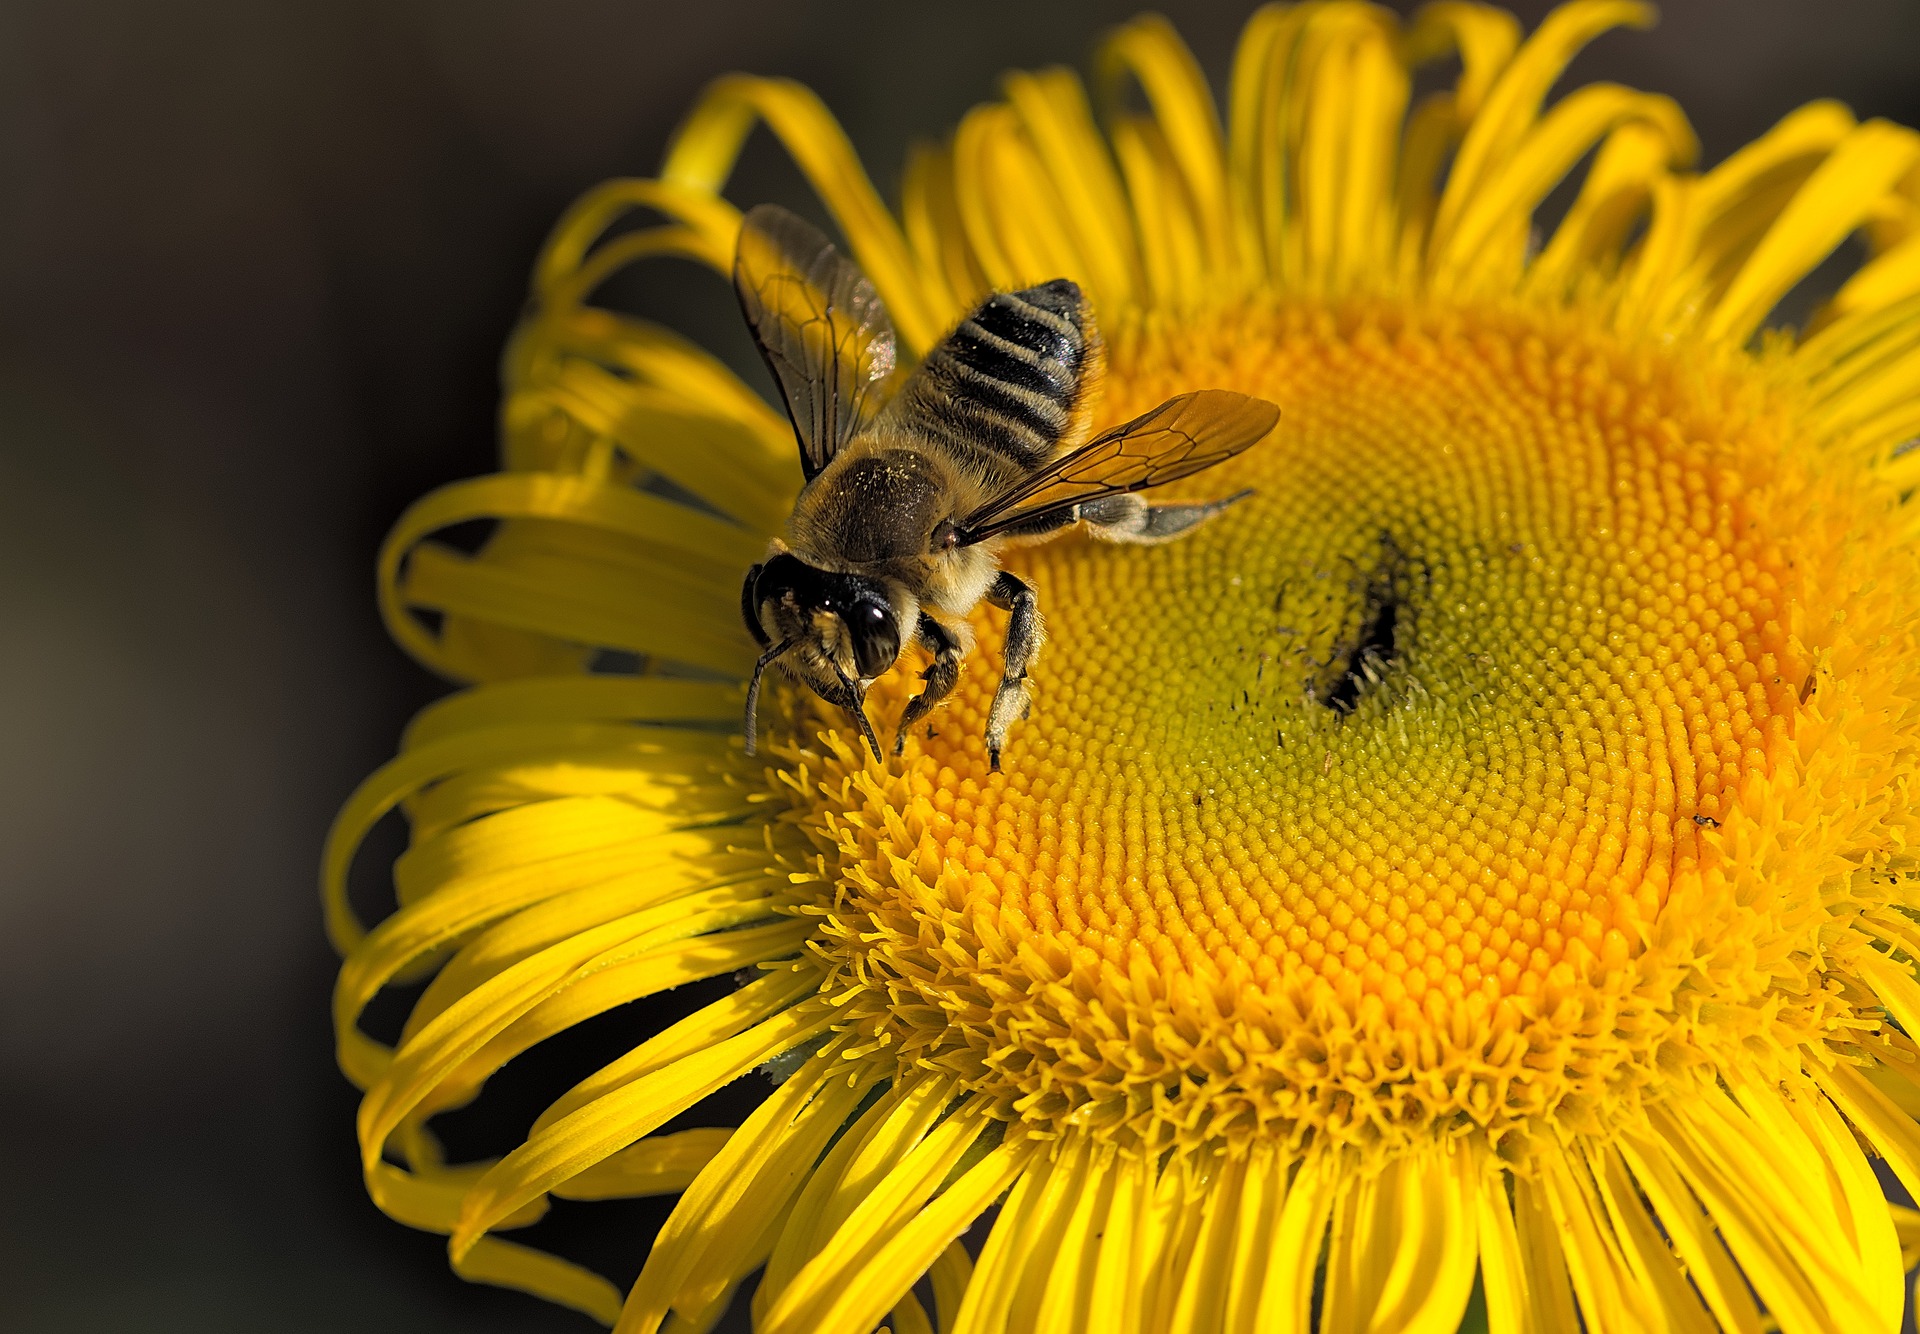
{"points": [[1181, 437]]}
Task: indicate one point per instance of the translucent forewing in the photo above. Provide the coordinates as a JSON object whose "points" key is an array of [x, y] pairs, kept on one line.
{"points": [[819, 324], [1181, 437]]}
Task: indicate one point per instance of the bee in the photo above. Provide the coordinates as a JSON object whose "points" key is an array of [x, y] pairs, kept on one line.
{"points": [[915, 482]]}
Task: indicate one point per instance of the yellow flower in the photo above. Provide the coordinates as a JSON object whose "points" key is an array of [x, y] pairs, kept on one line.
{"points": [[1483, 859]]}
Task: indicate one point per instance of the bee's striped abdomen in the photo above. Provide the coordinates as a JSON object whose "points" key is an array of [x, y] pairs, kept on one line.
{"points": [[1009, 378]]}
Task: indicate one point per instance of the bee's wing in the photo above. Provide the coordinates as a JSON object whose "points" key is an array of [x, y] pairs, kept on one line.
{"points": [[1182, 436], [819, 324]]}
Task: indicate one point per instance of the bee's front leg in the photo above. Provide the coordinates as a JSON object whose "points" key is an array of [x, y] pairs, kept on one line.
{"points": [[1024, 637], [940, 675]]}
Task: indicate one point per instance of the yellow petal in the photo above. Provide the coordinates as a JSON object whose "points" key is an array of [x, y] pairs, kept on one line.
{"points": [[1648, 1258], [1484, 37], [1892, 1133], [1702, 229], [561, 271], [983, 1306], [1065, 1188], [1112, 1303], [1171, 245], [1431, 1275], [510, 1265], [429, 1198], [1760, 1221], [909, 1317], [716, 952], [1613, 196], [1512, 104], [708, 143], [1053, 110], [1204, 1278], [575, 699], [1695, 1240], [1544, 1263], [705, 1246], [1286, 1292], [1836, 199], [659, 1165], [1883, 280], [1262, 1201], [1503, 1275], [930, 212], [864, 1154], [659, 368], [1353, 95], [674, 532], [845, 1287], [998, 176], [1151, 52], [1508, 195], [1259, 156], [719, 1021], [913, 1247], [616, 1119], [950, 1275], [455, 1035]]}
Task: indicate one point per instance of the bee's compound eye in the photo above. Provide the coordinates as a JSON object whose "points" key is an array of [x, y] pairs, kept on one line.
{"points": [[875, 634]]}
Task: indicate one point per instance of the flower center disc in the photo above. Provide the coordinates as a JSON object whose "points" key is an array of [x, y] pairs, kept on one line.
{"points": [[1426, 728]]}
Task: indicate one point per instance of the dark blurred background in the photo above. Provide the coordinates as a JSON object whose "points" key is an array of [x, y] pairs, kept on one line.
{"points": [[256, 264]]}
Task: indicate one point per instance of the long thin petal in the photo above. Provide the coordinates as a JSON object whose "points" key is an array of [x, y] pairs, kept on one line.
{"points": [[1513, 102], [1150, 51], [708, 143], [1836, 199], [628, 1113]]}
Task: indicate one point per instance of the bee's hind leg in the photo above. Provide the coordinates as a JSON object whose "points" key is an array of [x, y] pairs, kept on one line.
{"points": [[940, 675], [1024, 637], [1129, 518]]}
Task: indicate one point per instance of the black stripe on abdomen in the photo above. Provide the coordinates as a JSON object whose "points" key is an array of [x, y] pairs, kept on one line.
{"points": [[1011, 372]]}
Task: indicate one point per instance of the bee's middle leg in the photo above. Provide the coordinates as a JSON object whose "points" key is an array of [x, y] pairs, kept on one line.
{"points": [[940, 675], [1025, 634]]}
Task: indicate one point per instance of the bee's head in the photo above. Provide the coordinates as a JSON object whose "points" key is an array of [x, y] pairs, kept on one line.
{"points": [[848, 619]]}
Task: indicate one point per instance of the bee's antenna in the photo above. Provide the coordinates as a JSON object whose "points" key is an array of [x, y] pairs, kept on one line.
{"points": [[859, 708], [753, 688]]}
